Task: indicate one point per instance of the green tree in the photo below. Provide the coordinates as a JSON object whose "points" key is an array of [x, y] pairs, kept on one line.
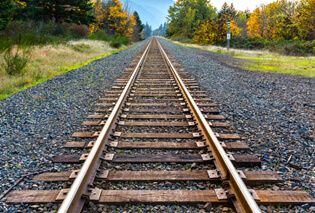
{"points": [[275, 21], [185, 15], [57, 11], [6, 12], [282, 27], [212, 31], [227, 12], [147, 30], [189, 21], [138, 28], [206, 33], [80, 11], [305, 20], [241, 20]]}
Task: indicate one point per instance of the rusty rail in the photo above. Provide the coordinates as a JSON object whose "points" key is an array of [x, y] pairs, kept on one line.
{"points": [[244, 200], [79, 186], [157, 87]]}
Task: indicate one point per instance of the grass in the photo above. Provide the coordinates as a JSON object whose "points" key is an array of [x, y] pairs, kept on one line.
{"points": [[52, 60], [265, 60]]}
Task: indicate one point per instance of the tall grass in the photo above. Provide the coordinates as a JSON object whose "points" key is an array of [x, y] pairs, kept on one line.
{"points": [[99, 35], [32, 33], [183, 39], [285, 47], [39, 33], [16, 58], [33, 52], [117, 42], [51, 60], [16, 55], [265, 60]]}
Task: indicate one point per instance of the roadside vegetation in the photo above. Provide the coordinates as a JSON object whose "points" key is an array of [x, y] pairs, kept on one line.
{"points": [[51, 60], [283, 28], [263, 60], [44, 38]]}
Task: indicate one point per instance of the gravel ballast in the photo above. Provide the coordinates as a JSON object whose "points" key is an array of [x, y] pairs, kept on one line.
{"points": [[37, 122], [275, 112]]}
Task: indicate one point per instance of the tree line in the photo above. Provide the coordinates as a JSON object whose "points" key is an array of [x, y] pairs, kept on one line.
{"points": [[113, 18], [283, 20], [161, 31], [26, 23], [57, 11], [80, 18]]}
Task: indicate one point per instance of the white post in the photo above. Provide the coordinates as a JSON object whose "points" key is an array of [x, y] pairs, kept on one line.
{"points": [[228, 36]]}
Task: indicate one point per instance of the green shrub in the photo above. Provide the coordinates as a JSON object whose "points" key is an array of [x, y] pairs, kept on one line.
{"points": [[286, 47], [78, 31], [4, 43], [116, 42], [124, 40], [291, 47], [32, 33], [99, 35], [182, 39], [34, 39], [251, 43], [51, 28], [80, 47], [16, 58]]}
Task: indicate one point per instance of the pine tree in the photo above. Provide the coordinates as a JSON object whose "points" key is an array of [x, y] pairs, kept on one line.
{"points": [[147, 31], [57, 11], [6, 13], [227, 12], [138, 28]]}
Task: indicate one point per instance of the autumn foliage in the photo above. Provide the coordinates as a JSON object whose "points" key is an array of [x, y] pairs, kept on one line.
{"points": [[281, 20], [113, 18], [210, 31]]}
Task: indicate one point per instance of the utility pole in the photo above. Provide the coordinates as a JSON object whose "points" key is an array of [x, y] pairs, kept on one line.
{"points": [[228, 36]]}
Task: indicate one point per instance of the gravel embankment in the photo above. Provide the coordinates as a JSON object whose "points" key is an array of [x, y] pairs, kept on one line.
{"points": [[37, 122], [276, 112]]}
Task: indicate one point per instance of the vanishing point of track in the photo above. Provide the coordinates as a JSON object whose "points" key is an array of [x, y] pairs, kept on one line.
{"points": [[156, 105]]}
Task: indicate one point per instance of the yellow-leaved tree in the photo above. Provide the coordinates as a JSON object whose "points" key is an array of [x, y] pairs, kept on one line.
{"points": [[254, 24], [120, 21], [206, 33], [234, 29], [281, 20], [259, 22], [305, 20], [100, 15], [213, 30], [113, 18]]}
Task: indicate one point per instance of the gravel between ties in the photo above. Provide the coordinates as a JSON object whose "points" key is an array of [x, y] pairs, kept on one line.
{"points": [[37, 122], [276, 112]]}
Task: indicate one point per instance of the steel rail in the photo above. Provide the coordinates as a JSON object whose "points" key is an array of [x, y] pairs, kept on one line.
{"points": [[74, 196], [245, 202]]}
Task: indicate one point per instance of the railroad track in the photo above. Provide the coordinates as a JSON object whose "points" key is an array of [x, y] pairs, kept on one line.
{"points": [[156, 106]]}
